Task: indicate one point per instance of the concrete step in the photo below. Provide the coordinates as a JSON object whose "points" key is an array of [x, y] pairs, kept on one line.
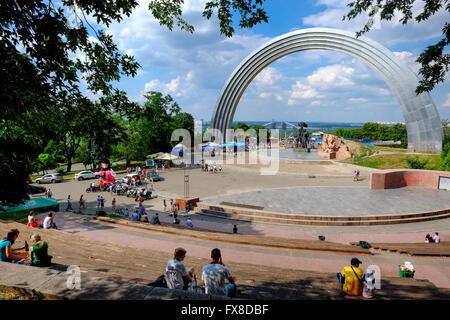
{"points": [[231, 210], [282, 219]]}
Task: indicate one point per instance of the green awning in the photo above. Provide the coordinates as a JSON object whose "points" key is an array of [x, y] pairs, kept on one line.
{"points": [[35, 204]]}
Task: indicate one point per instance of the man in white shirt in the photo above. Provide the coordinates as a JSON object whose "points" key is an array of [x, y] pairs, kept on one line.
{"points": [[436, 238], [214, 276], [177, 275]]}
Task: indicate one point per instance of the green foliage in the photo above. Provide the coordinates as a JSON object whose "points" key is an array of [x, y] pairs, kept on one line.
{"points": [[241, 125], [445, 157], [434, 60], [251, 13], [416, 163], [376, 131], [41, 80], [61, 169]]}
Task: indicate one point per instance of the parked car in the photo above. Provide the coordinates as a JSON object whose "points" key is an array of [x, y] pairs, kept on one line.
{"points": [[131, 175], [154, 175], [85, 175], [36, 189], [50, 178]]}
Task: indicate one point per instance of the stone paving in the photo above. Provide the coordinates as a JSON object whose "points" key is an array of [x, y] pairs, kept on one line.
{"points": [[341, 201]]}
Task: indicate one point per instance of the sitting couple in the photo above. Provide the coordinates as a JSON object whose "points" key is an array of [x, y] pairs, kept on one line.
{"points": [[37, 254], [213, 274]]}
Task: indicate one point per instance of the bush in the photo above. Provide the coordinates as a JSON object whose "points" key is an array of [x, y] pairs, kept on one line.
{"points": [[61, 170], [445, 158], [416, 163]]}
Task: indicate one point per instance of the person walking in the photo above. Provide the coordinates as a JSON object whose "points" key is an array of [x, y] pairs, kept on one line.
{"points": [[99, 202], [164, 205], [49, 193], [102, 203], [82, 203], [113, 204], [69, 203]]}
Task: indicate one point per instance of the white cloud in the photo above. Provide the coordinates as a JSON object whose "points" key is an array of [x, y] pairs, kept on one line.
{"points": [[357, 100], [336, 75], [447, 102], [268, 77]]}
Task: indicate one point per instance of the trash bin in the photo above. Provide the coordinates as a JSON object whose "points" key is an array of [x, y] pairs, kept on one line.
{"points": [[405, 274]]}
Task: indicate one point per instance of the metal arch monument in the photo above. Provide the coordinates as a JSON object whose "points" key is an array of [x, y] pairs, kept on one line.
{"points": [[421, 116]]}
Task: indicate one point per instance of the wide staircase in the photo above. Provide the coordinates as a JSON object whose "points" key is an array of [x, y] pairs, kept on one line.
{"points": [[248, 213]]}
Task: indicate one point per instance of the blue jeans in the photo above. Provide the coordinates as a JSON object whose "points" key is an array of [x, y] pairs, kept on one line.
{"points": [[231, 288]]}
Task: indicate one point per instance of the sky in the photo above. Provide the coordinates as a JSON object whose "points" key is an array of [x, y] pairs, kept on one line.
{"points": [[314, 85]]}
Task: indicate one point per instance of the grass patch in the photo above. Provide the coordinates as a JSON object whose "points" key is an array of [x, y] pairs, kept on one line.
{"points": [[13, 216], [394, 161]]}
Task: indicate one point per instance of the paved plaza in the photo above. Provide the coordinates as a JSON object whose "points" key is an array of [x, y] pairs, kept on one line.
{"points": [[341, 201]]}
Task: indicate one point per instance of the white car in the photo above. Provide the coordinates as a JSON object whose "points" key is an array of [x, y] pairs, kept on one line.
{"points": [[131, 175], [85, 175]]}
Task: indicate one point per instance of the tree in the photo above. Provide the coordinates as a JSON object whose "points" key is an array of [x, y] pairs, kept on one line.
{"points": [[36, 46], [434, 61], [398, 132], [241, 125]]}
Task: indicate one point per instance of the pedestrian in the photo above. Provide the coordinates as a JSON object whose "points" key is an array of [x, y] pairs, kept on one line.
{"points": [[113, 204], [82, 203], [49, 193], [164, 205], [354, 175], [69, 203], [102, 203], [171, 206], [357, 175], [175, 215], [99, 202], [140, 199], [235, 229]]}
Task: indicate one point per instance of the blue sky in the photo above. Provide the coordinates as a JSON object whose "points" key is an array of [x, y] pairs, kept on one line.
{"points": [[308, 86]]}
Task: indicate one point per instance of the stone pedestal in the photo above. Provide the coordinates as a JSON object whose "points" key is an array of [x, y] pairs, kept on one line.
{"points": [[324, 155], [182, 202]]}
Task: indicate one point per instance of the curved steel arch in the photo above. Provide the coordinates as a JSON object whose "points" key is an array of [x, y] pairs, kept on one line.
{"points": [[421, 116]]}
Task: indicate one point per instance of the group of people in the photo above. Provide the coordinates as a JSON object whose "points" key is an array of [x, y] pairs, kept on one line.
{"points": [[174, 212], [432, 239], [36, 255], [355, 282], [48, 222], [214, 275], [212, 168]]}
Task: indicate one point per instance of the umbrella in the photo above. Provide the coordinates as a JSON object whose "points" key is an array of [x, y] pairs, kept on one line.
{"points": [[177, 149], [166, 156], [208, 148], [155, 155], [227, 144], [180, 145]]}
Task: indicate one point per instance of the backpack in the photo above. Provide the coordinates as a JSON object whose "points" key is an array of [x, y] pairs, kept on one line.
{"points": [[159, 282], [341, 278]]}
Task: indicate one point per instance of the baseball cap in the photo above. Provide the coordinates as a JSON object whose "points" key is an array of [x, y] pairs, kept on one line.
{"points": [[355, 261]]}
